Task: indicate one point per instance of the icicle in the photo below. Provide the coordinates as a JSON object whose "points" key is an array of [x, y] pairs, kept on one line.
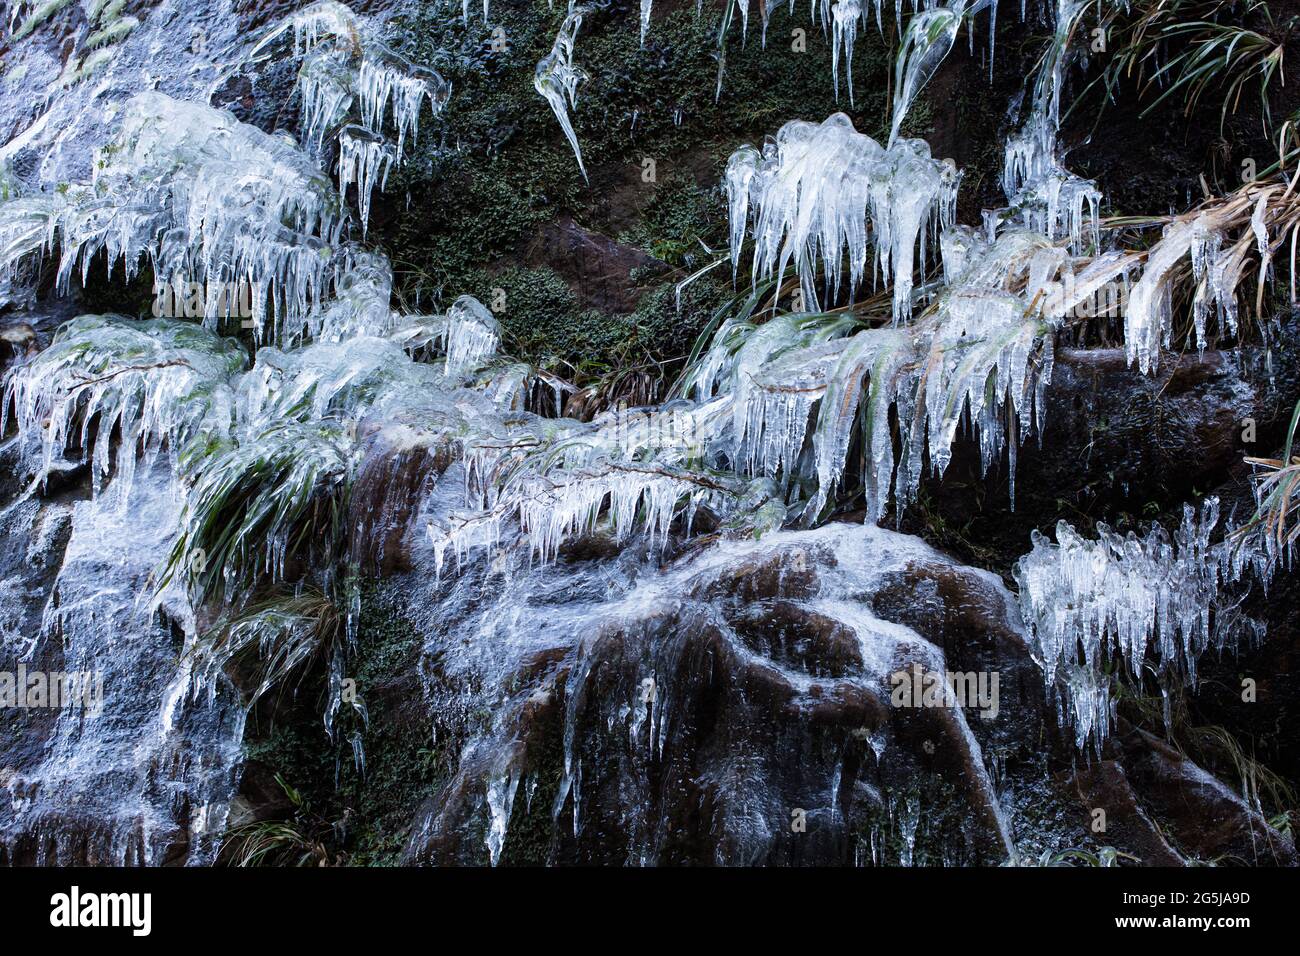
{"points": [[557, 79], [846, 14], [1124, 603], [364, 159], [155, 382], [929, 37], [472, 335], [823, 190]]}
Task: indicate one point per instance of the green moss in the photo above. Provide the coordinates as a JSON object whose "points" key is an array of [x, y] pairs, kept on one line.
{"points": [[543, 320], [370, 814], [680, 220], [38, 16], [494, 167]]}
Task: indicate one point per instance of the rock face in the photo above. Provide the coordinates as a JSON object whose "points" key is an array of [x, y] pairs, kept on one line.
{"points": [[131, 768], [734, 707], [771, 700], [597, 269], [1211, 821]]}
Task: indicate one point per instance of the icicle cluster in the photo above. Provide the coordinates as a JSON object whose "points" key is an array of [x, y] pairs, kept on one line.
{"points": [[983, 355], [192, 191], [155, 383], [1123, 605], [1045, 195], [356, 75], [819, 192]]}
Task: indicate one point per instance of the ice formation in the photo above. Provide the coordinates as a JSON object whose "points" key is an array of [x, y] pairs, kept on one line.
{"points": [[191, 190], [1125, 606], [982, 354], [929, 36], [821, 191], [156, 382], [364, 159], [1044, 194], [781, 417], [356, 75], [646, 9], [557, 78]]}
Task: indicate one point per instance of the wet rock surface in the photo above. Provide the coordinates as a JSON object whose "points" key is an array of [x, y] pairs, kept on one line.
{"points": [[732, 709]]}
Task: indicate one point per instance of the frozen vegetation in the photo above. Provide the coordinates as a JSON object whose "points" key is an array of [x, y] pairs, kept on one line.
{"points": [[1121, 605], [878, 333], [557, 77]]}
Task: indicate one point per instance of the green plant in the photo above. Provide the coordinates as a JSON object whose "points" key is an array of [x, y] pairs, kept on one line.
{"points": [[278, 496], [274, 637], [1188, 47], [282, 842]]}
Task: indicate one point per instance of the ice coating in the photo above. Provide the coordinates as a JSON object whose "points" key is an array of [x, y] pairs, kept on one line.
{"points": [[157, 382], [357, 76], [104, 788], [929, 36], [618, 595], [191, 190], [765, 434], [1122, 606], [844, 25], [364, 159], [1044, 194]]}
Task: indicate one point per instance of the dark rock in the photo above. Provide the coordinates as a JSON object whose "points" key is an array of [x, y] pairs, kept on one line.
{"points": [[1104, 786], [1207, 819], [596, 268]]}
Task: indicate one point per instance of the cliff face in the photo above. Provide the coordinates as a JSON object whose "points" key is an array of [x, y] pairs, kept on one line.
{"points": [[746, 682]]}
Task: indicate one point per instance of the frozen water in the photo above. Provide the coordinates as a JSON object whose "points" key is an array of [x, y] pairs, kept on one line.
{"points": [[557, 78], [1124, 606], [823, 192]]}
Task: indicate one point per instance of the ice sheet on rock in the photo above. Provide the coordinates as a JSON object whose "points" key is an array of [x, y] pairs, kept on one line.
{"points": [[581, 604], [153, 770]]}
